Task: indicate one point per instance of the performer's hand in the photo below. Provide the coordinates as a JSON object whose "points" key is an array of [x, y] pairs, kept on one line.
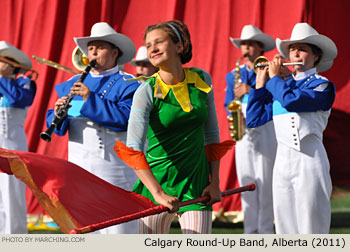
{"points": [[213, 191], [275, 66], [262, 77], [80, 89], [60, 102], [147, 178], [241, 89], [166, 200], [284, 72], [6, 70]]}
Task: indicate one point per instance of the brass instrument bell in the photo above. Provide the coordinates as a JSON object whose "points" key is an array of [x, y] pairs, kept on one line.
{"points": [[80, 60], [259, 62], [235, 118]]}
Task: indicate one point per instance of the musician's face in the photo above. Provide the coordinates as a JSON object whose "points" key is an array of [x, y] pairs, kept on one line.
{"points": [[145, 68], [104, 54], [250, 49], [301, 52]]}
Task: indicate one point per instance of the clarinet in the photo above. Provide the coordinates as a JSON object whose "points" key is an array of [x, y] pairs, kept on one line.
{"points": [[46, 135]]}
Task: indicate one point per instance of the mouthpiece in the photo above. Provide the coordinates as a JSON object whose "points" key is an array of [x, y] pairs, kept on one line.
{"points": [[93, 63]]}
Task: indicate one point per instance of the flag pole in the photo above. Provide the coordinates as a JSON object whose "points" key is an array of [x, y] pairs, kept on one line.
{"points": [[156, 210]]}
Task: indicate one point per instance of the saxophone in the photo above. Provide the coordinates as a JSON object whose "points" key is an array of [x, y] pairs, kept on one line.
{"points": [[235, 118]]}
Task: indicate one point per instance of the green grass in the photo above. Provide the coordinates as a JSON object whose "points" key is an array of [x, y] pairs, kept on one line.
{"points": [[341, 204], [340, 230]]}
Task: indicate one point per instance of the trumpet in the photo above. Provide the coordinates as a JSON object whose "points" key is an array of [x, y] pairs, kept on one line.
{"points": [[261, 62], [79, 60], [55, 65], [26, 69]]}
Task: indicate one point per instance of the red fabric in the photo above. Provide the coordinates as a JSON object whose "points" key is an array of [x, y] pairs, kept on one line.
{"points": [[78, 201], [216, 151], [5, 166], [134, 159], [73, 197], [158, 209], [46, 28]]}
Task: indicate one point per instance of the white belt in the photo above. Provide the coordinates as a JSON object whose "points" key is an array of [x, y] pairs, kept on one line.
{"points": [[95, 125]]}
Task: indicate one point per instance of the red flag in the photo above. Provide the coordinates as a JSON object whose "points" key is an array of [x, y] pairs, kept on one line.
{"points": [[78, 201], [72, 196]]}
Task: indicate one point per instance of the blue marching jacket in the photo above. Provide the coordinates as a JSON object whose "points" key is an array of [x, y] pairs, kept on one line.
{"points": [[247, 76], [108, 105], [16, 95], [299, 106]]}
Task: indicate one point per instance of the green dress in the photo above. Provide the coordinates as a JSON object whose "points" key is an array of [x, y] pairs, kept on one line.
{"points": [[176, 152]]}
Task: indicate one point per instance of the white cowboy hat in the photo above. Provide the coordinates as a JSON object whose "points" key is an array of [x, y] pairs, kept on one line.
{"points": [[250, 32], [8, 50], [304, 33], [141, 56], [103, 31]]}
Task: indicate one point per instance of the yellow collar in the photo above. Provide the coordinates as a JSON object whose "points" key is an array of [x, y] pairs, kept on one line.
{"points": [[180, 90]]}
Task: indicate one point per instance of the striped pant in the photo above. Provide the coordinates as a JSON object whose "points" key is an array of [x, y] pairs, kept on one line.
{"points": [[191, 222]]}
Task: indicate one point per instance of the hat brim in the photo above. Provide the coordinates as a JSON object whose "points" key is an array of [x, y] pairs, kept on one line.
{"points": [[266, 40], [329, 49], [119, 40], [134, 61], [7, 50]]}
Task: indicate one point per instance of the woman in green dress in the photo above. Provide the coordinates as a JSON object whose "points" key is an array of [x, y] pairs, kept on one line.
{"points": [[174, 109]]}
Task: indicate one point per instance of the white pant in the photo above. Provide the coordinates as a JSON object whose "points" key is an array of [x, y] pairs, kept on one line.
{"points": [[255, 156], [13, 205], [91, 147], [124, 228], [302, 188]]}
